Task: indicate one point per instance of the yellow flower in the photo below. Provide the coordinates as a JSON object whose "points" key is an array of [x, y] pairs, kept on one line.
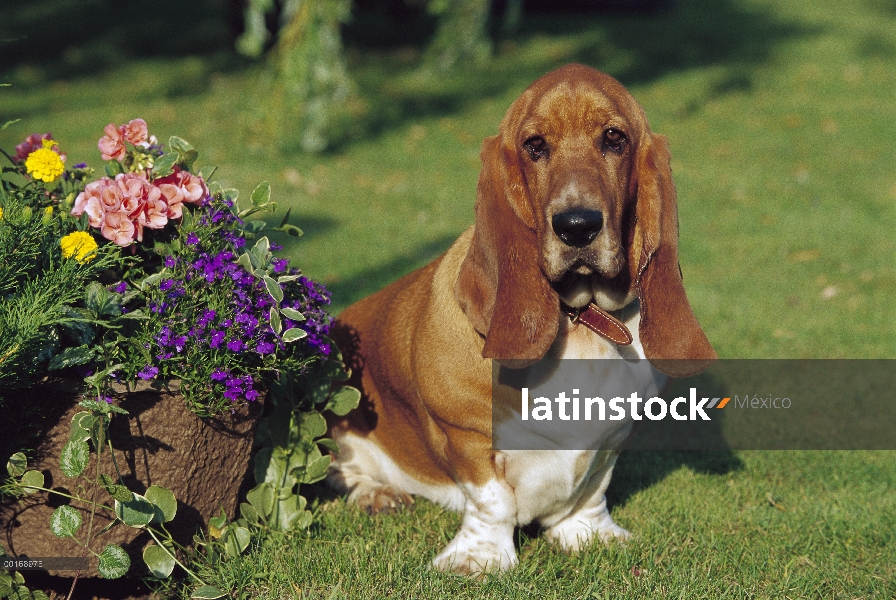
{"points": [[79, 244], [44, 164], [1, 213]]}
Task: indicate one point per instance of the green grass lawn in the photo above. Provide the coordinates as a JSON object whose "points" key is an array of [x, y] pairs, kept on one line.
{"points": [[780, 116]]}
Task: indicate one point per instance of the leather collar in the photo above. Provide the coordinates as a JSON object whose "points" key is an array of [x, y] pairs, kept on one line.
{"points": [[601, 322]]}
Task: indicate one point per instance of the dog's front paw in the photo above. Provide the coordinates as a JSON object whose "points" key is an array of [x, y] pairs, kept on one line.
{"points": [[613, 532], [381, 499], [471, 554], [572, 535]]}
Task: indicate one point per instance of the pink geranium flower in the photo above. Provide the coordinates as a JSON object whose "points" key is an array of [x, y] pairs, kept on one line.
{"points": [[118, 228], [136, 133], [112, 145], [128, 196], [155, 211], [98, 198], [181, 186], [174, 196]]}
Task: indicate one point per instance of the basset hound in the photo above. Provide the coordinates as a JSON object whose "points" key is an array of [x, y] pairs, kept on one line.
{"points": [[575, 212]]}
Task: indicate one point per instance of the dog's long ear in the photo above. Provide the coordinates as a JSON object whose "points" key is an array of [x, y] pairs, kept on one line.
{"points": [[672, 338], [501, 288]]}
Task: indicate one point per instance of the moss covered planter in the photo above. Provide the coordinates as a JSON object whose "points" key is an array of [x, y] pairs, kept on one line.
{"points": [[160, 442]]}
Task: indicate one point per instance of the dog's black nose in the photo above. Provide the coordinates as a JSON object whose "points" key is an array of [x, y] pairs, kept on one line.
{"points": [[578, 228]]}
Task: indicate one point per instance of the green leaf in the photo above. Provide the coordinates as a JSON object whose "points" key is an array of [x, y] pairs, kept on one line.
{"points": [[151, 280], [189, 157], [293, 314], [80, 427], [98, 429], [117, 491], [236, 539], [98, 378], [65, 521], [32, 479], [137, 314], [164, 164], [74, 457], [260, 252], [159, 561], [6, 585], [121, 493], [245, 261], [163, 499], [293, 335], [116, 409], [344, 400], [248, 512], [70, 357], [285, 218], [274, 289], [313, 472], [179, 145], [137, 513], [276, 323], [101, 302], [114, 562], [208, 592], [17, 591], [311, 425], [82, 333], [329, 444], [113, 168], [255, 226], [261, 195], [290, 230], [17, 464], [290, 511], [231, 193], [217, 523], [261, 497], [214, 188]]}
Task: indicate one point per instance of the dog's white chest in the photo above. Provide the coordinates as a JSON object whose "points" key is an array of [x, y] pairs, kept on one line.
{"points": [[574, 445]]}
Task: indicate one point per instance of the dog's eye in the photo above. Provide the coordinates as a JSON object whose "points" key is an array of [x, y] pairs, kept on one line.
{"points": [[536, 147], [614, 140]]}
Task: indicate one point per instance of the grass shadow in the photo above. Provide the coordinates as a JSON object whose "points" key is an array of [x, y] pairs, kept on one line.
{"points": [[312, 226], [347, 291], [384, 42], [64, 40], [638, 470], [635, 47], [659, 448]]}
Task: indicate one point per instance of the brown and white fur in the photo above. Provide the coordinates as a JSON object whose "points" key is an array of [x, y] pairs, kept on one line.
{"points": [[422, 349]]}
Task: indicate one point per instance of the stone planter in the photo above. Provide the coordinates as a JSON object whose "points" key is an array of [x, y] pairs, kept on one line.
{"points": [[203, 461]]}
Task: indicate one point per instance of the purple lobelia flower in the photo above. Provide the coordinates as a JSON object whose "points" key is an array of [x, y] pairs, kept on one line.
{"points": [[148, 372]]}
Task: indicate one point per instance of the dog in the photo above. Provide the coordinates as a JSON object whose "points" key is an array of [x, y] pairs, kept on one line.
{"points": [[575, 213]]}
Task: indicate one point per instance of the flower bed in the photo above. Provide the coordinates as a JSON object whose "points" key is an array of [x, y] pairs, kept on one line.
{"points": [[149, 274]]}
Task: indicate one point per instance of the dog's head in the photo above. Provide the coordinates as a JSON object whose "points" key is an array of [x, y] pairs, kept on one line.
{"points": [[576, 203]]}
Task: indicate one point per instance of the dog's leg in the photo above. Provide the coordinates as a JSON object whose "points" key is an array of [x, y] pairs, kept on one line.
{"points": [[372, 480], [590, 518], [485, 540]]}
